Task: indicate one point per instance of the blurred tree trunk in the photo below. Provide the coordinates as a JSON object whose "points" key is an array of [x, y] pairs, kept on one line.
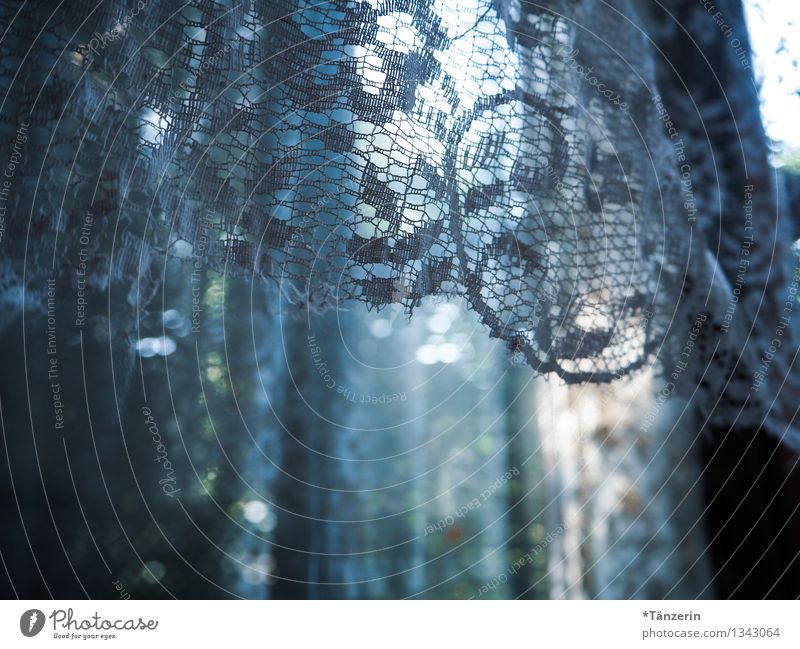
{"points": [[627, 497]]}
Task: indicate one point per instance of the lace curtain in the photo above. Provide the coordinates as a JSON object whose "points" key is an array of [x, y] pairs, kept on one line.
{"points": [[514, 154]]}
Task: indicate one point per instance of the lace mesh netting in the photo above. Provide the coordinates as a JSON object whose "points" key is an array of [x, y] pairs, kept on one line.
{"points": [[507, 153], [378, 151]]}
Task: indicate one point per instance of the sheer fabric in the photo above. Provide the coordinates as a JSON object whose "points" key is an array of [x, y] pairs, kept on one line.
{"points": [[511, 153]]}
